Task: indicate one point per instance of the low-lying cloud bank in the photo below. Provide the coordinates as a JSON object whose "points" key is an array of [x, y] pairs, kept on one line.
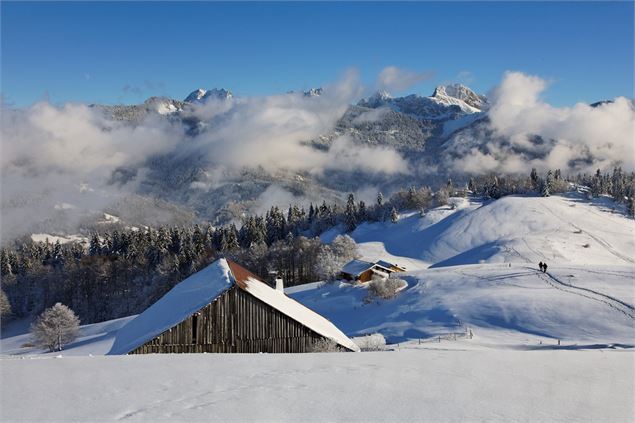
{"points": [[60, 159], [67, 154], [580, 138]]}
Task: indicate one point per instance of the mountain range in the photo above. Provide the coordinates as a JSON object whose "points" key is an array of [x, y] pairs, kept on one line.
{"points": [[413, 126], [198, 179]]}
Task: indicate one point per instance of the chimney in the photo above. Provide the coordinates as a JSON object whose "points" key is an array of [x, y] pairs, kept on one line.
{"points": [[279, 284]]}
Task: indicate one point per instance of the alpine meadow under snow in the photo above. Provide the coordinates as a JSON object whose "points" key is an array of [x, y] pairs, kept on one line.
{"points": [[478, 330], [317, 212]]}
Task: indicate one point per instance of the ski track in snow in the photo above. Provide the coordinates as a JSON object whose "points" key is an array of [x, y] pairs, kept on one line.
{"points": [[598, 239], [612, 302]]}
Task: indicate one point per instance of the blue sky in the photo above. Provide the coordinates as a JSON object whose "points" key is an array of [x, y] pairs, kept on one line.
{"points": [[118, 52]]}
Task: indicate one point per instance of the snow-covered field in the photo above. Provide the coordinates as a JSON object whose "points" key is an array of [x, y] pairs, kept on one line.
{"points": [[479, 334], [428, 385], [501, 304]]}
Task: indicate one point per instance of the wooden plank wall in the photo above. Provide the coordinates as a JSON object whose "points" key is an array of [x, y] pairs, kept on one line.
{"points": [[235, 322]]}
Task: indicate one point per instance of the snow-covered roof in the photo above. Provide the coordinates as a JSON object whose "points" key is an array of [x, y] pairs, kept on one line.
{"points": [[356, 267], [380, 273], [387, 265], [290, 307], [183, 300], [200, 289]]}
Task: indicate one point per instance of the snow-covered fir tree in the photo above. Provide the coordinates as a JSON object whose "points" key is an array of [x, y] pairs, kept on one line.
{"points": [[547, 185]]}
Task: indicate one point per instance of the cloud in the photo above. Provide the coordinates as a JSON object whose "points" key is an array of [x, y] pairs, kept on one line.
{"points": [[273, 132], [393, 78], [77, 139], [371, 116], [51, 153], [344, 155], [579, 138]]}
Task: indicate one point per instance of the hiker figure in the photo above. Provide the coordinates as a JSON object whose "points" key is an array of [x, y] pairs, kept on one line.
{"points": [[544, 267], [540, 265]]}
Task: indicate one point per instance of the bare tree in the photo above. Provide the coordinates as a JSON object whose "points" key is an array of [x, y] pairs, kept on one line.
{"points": [[56, 327], [385, 287], [325, 345]]}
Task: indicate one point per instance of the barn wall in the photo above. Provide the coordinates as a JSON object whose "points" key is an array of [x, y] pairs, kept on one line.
{"points": [[235, 322]]}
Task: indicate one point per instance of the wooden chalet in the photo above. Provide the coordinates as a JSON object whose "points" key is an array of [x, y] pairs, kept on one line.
{"points": [[224, 308], [363, 271]]}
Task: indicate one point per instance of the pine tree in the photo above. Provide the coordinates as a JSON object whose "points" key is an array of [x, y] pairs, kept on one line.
{"points": [[535, 180], [350, 214], [596, 184], [547, 186], [232, 239], [94, 248], [630, 207], [394, 216], [379, 209], [411, 198], [617, 185], [494, 190], [5, 265], [362, 215], [470, 185]]}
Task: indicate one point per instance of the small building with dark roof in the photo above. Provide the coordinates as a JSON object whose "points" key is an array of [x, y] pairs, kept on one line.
{"points": [[363, 271]]}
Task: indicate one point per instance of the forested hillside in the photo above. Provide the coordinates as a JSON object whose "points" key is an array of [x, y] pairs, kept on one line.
{"points": [[121, 272]]}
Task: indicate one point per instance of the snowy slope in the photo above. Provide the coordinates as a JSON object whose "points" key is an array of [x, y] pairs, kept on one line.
{"points": [[429, 385], [93, 339], [504, 306], [480, 336], [483, 274], [560, 230]]}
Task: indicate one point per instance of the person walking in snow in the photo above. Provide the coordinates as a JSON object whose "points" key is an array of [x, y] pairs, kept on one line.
{"points": [[540, 265], [544, 268]]}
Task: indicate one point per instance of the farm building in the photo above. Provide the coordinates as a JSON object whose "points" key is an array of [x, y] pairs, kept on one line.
{"points": [[363, 271], [225, 308]]}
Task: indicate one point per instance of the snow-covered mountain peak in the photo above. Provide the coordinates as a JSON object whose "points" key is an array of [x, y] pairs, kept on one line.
{"points": [[378, 99], [449, 94], [314, 92], [202, 95], [163, 105]]}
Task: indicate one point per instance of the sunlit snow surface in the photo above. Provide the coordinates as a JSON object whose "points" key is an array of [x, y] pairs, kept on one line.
{"points": [[479, 334], [430, 385]]}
